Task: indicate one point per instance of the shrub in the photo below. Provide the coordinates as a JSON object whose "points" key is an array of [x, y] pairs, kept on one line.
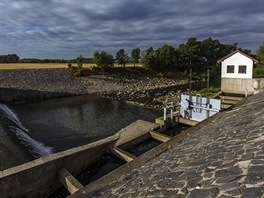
{"points": [[258, 71]]}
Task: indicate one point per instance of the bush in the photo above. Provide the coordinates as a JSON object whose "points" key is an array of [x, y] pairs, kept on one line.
{"points": [[103, 60], [209, 92], [258, 71], [76, 71]]}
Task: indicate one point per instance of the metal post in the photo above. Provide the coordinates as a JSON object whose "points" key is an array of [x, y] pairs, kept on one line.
{"points": [[165, 111], [208, 86], [190, 81], [190, 92], [208, 80]]}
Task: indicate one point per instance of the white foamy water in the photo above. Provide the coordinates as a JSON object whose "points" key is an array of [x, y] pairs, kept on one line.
{"points": [[37, 149]]}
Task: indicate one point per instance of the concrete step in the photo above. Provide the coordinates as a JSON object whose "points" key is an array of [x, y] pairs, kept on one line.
{"points": [[225, 106], [69, 182], [234, 98], [128, 157], [186, 121], [159, 136], [229, 102], [176, 119]]}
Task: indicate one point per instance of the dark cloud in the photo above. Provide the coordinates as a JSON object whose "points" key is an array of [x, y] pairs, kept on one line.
{"points": [[67, 28]]}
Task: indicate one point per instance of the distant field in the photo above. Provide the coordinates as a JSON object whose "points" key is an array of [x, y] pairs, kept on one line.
{"points": [[47, 65]]}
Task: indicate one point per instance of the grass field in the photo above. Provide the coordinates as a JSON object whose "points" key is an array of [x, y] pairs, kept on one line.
{"points": [[48, 65]]}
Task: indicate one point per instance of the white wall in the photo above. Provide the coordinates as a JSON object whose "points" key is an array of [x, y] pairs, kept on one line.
{"points": [[236, 60]]}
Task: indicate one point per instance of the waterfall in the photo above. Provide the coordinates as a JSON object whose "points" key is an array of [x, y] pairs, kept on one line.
{"points": [[37, 149]]}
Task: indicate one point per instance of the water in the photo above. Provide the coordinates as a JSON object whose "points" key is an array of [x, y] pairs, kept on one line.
{"points": [[143, 147], [65, 123], [96, 170], [37, 149]]}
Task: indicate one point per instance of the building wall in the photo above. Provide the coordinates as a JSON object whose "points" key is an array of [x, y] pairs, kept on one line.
{"points": [[236, 60], [241, 86]]}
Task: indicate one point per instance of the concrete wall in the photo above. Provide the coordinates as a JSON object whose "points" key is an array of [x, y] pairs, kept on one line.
{"points": [[40, 177], [36, 84], [236, 60], [240, 85]]}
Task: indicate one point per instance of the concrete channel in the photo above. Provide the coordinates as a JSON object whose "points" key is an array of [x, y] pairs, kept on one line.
{"points": [[41, 177]]}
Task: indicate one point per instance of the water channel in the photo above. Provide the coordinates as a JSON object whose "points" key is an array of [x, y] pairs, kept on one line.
{"points": [[58, 124]]}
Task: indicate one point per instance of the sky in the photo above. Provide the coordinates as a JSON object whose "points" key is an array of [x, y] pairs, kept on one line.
{"points": [[65, 29]]}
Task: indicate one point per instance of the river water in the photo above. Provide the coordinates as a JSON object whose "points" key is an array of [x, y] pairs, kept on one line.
{"points": [[58, 124]]}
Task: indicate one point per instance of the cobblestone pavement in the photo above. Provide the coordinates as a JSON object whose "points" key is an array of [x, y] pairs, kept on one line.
{"points": [[225, 158]]}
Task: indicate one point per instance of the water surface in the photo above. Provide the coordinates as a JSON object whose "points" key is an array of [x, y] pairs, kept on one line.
{"points": [[64, 123]]}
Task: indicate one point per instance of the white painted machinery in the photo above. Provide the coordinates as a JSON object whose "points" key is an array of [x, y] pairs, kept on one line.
{"points": [[198, 108]]}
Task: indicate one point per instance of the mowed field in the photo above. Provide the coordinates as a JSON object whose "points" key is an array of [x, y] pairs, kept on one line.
{"points": [[49, 65]]}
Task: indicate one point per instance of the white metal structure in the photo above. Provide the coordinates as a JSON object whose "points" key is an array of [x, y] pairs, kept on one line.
{"points": [[198, 108]]}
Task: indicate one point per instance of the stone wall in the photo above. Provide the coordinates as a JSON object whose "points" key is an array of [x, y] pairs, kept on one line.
{"points": [[35, 84]]}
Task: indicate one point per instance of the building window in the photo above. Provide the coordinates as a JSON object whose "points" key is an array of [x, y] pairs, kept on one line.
{"points": [[230, 69], [242, 69]]}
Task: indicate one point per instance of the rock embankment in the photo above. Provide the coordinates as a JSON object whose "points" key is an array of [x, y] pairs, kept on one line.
{"points": [[34, 84], [154, 92]]}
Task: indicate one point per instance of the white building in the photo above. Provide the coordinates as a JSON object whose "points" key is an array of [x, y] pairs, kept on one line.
{"points": [[237, 74]]}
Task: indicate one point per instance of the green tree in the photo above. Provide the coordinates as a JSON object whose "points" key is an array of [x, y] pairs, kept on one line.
{"points": [[76, 71], [148, 59], [165, 58], [135, 55], [79, 61], [122, 57], [189, 55], [10, 58], [103, 60], [260, 54]]}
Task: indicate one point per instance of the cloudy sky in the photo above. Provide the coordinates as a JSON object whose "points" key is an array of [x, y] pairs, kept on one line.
{"points": [[68, 28]]}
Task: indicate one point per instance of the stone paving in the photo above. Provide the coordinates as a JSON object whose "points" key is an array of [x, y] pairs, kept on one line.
{"points": [[225, 158]]}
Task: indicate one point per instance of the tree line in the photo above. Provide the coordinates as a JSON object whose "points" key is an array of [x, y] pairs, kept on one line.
{"points": [[199, 55], [10, 58]]}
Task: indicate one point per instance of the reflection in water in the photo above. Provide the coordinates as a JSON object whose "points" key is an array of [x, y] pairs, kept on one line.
{"points": [[68, 122], [102, 107]]}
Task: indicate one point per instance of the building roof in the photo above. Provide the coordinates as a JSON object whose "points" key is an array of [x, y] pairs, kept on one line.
{"points": [[234, 52]]}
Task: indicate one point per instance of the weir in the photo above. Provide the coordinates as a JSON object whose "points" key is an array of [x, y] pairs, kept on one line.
{"points": [[12, 122]]}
